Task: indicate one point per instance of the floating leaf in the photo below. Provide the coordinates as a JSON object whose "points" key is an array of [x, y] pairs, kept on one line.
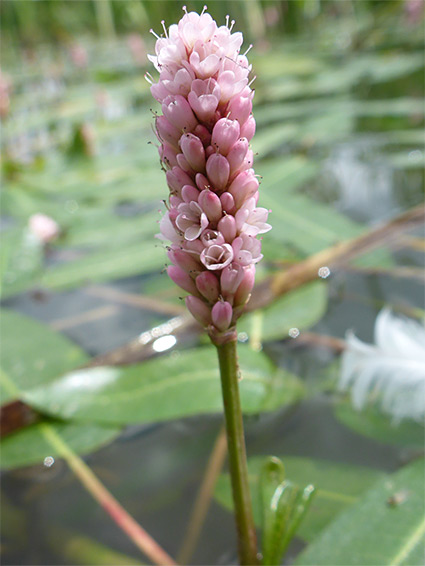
{"points": [[298, 309], [32, 354], [387, 526], [175, 386], [337, 486], [137, 258], [31, 445]]}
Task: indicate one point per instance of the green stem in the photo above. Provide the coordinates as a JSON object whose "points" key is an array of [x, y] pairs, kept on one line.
{"points": [[247, 538]]}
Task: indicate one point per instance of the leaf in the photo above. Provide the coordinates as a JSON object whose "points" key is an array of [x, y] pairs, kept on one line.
{"points": [[178, 385], [284, 505], [387, 526], [137, 258], [373, 424], [31, 445], [32, 354], [337, 486], [21, 260], [298, 309]]}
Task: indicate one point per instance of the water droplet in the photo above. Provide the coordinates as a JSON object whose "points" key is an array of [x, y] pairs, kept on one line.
{"points": [[294, 332], [71, 206], [49, 461], [324, 272], [415, 156], [243, 337], [164, 343]]}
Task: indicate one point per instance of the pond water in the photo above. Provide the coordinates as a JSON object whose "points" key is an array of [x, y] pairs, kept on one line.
{"points": [[361, 160]]}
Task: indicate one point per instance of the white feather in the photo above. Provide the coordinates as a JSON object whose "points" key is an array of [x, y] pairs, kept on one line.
{"points": [[390, 372]]}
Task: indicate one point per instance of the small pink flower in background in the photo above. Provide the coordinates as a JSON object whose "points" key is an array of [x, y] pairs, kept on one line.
{"points": [[212, 221], [5, 90], [79, 56], [44, 228], [137, 48]]}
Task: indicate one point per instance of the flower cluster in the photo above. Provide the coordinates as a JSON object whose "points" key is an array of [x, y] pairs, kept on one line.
{"points": [[212, 219]]}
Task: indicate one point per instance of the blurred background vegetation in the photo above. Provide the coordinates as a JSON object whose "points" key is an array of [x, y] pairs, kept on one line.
{"points": [[340, 147]]}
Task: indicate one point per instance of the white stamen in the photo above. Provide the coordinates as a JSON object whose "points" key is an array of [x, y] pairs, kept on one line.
{"points": [[153, 33]]}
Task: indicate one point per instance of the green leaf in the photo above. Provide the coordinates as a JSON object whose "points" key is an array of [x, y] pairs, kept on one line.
{"points": [[178, 385], [298, 309], [386, 527], [32, 354], [21, 260], [136, 258], [31, 445], [372, 423], [337, 486], [283, 505]]}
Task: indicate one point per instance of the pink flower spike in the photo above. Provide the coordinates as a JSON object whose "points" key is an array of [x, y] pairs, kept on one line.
{"points": [[211, 205], [207, 284], [221, 315], [199, 310], [218, 171], [217, 257], [182, 279], [225, 134]]}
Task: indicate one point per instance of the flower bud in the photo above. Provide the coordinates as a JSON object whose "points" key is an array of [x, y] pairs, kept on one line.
{"points": [[211, 205], [207, 284], [221, 315], [237, 154], [240, 108], [244, 290], [177, 178], [243, 187], [248, 129], [227, 226], [199, 310], [225, 134], [189, 193], [230, 279], [204, 98], [218, 171], [182, 279], [194, 152], [167, 132], [228, 203], [177, 110]]}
